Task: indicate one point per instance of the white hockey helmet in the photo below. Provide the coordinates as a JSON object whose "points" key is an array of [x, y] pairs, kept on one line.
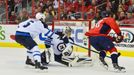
{"points": [[40, 16]]}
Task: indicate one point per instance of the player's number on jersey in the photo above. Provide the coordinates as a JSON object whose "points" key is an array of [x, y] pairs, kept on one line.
{"points": [[27, 24]]}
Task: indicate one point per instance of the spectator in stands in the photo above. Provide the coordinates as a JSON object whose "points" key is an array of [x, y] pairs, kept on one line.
{"points": [[24, 3], [55, 5], [49, 13], [51, 10], [63, 15], [88, 8], [12, 18], [18, 6], [69, 9], [120, 9], [132, 14], [103, 5], [23, 15], [39, 9], [114, 5], [11, 5], [90, 14], [71, 16], [131, 8], [46, 12], [128, 15], [122, 16], [77, 4]]}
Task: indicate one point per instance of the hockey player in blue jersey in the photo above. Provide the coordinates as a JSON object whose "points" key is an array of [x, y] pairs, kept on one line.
{"points": [[25, 34]]}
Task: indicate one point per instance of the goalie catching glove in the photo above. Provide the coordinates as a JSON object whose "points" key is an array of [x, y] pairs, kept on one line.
{"points": [[68, 50]]}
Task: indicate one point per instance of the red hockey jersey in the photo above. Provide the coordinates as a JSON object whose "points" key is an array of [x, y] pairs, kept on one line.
{"points": [[103, 27]]}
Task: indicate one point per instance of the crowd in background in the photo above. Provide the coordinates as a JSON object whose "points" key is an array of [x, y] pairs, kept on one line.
{"points": [[20, 10]]}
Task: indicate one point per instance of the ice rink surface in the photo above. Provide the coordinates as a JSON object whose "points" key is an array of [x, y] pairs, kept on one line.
{"points": [[12, 62]]}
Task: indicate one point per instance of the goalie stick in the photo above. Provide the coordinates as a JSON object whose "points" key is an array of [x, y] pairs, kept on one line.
{"points": [[87, 48]]}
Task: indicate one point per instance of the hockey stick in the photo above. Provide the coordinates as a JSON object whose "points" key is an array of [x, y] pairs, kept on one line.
{"points": [[87, 49]]}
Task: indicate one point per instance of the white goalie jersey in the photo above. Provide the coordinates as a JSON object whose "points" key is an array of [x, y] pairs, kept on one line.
{"points": [[60, 45], [62, 49]]}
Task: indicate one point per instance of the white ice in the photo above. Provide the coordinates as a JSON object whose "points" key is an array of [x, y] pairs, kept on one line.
{"points": [[12, 62]]}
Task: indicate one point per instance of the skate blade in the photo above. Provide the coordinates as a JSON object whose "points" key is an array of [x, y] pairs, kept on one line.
{"points": [[29, 67], [106, 67], [41, 71], [120, 71], [45, 68]]}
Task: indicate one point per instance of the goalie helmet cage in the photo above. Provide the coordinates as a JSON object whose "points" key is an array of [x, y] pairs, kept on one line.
{"points": [[79, 27]]}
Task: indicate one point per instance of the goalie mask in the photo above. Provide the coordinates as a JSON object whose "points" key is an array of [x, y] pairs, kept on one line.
{"points": [[67, 31]]}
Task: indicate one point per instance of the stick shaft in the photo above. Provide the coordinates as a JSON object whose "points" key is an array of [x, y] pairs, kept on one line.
{"points": [[87, 49]]}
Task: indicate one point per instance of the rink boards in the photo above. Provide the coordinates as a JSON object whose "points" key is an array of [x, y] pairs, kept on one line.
{"points": [[126, 47]]}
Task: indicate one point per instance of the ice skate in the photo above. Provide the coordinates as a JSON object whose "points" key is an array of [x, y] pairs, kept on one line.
{"points": [[118, 68], [29, 62], [39, 66], [105, 65]]}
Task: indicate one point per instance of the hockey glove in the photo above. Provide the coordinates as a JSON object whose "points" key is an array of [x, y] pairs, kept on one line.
{"points": [[118, 39], [48, 41], [68, 50]]}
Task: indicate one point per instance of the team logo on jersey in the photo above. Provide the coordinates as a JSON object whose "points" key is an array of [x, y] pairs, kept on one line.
{"points": [[61, 46]]}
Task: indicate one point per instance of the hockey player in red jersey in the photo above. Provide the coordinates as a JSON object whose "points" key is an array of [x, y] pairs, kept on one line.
{"points": [[101, 41]]}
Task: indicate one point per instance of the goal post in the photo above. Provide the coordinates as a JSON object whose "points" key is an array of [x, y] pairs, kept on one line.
{"points": [[79, 27]]}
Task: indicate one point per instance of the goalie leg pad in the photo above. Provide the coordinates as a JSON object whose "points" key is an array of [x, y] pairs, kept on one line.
{"points": [[71, 61], [58, 58], [51, 54], [68, 50], [44, 58]]}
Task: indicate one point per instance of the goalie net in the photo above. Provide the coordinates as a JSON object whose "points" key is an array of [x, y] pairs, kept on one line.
{"points": [[79, 28]]}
